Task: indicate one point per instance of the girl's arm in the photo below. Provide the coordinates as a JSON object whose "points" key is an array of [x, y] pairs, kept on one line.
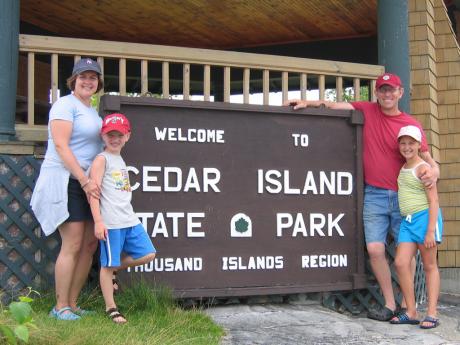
{"points": [[96, 173], [61, 131], [432, 195]]}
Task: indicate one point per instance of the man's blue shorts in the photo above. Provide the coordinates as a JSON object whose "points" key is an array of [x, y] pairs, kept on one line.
{"points": [[133, 241], [414, 227], [381, 214]]}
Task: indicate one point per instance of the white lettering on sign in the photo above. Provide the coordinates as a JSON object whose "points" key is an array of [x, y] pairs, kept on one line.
{"points": [[235, 263], [168, 224], [192, 135], [174, 179], [170, 265], [318, 224], [300, 139], [326, 260], [276, 181]]}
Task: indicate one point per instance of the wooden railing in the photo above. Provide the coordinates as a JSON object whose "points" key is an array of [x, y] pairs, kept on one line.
{"points": [[288, 68]]}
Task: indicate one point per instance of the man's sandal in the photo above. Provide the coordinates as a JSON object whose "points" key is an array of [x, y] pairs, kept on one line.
{"points": [[403, 319], [113, 313], [433, 322]]}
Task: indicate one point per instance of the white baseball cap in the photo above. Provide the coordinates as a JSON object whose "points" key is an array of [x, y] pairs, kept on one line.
{"points": [[411, 131]]}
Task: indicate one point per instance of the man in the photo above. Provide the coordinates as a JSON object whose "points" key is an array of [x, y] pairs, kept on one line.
{"points": [[381, 163]]}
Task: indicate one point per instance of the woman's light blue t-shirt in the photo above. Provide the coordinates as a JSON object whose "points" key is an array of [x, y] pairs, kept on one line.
{"points": [[85, 141]]}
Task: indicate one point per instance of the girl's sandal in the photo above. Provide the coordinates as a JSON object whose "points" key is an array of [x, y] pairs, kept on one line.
{"points": [[115, 315]]}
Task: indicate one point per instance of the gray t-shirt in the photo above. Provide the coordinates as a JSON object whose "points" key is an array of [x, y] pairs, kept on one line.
{"points": [[85, 141], [116, 209]]}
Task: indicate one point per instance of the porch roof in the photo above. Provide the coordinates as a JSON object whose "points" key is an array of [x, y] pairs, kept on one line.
{"points": [[222, 24]]}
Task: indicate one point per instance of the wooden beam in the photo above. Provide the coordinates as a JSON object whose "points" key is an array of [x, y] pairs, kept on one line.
{"points": [[73, 46], [207, 83], [246, 85], [30, 88], [122, 77], [186, 81]]}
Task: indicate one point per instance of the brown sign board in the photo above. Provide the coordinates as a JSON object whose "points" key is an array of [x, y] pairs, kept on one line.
{"points": [[246, 199]]}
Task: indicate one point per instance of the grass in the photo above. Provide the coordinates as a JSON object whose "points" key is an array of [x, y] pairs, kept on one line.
{"points": [[153, 318]]}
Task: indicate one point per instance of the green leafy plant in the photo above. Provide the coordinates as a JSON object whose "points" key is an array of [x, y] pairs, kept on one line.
{"points": [[20, 316]]}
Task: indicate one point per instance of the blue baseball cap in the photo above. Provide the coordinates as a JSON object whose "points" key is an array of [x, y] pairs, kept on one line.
{"points": [[86, 64]]}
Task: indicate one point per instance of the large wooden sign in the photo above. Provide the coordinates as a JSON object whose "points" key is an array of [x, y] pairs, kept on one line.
{"points": [[244, 200]]}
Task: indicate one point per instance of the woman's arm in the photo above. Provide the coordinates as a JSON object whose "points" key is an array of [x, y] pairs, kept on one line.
{"points": [[61, 131], [96, 173]]}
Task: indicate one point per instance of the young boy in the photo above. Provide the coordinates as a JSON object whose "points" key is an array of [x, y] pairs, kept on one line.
{"points": [[115, 223], [421, 228]]}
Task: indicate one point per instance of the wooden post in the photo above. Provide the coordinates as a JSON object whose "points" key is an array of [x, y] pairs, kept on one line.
{"points": [[393, 43], [9, 43]]}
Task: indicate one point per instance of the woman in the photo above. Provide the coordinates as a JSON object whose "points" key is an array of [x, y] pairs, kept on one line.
{"points": [[60, 197]]}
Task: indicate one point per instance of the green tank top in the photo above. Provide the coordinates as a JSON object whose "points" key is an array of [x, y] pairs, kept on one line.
{"points": [[411, 192]]}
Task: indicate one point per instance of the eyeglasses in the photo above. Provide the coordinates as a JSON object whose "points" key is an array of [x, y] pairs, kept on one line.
{"points": [[384, 89]]}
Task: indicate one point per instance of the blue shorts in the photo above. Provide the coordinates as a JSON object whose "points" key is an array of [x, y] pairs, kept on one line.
{"points": [[133, 241], [381, 214], [414, 227]]}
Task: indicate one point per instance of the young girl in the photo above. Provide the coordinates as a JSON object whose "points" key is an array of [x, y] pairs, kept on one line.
{"points": [[421, 228]]}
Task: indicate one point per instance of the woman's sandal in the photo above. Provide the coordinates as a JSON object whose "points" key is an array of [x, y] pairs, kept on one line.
{"points": [[64, 314], [113, 313], [83, 312]]}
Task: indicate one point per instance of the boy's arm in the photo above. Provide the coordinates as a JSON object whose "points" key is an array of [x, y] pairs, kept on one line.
{"points": [[96, 174], [432, 195]]}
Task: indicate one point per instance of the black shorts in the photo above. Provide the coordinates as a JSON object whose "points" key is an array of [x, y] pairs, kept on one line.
{"points": [[77, 204]]}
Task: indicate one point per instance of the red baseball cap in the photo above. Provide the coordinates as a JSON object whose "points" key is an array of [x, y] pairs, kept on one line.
{"points": [[388, 79], [115, 122]]}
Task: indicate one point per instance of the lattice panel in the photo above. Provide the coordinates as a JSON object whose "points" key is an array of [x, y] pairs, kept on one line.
{"points": [[358, 301], [26, 256]]}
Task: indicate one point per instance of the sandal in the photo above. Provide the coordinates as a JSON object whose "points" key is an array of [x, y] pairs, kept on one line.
{"points": [[433, 322], [403, 319], [83, 312], [64, 314], [381, 314], [113, 313]]}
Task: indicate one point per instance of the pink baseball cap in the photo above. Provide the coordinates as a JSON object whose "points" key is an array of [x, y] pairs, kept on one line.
{"points": [[411, 131], [115, 122], [388, 79]]}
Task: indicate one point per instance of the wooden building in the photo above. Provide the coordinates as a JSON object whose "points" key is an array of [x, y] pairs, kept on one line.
{"points": [[215, 50]]}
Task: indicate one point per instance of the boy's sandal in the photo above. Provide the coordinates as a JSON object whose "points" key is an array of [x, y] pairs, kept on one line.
{"points": [[113, 313], [403, 319], [431, 320], [64, 314]]}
